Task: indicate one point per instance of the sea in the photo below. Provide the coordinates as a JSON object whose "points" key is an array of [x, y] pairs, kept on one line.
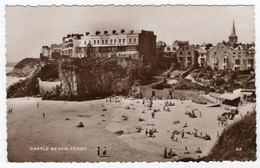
{"points": [[10, 79]]}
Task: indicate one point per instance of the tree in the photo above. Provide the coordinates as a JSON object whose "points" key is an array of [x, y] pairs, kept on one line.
{"points": [[89, 50]]}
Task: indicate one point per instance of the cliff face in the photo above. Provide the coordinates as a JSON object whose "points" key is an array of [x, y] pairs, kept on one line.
{"points": [[81, 79], [91, 78], [27, 67], [30, 86]]}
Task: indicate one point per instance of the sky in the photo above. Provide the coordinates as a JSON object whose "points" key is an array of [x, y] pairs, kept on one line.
{"points": [[30, 28]]}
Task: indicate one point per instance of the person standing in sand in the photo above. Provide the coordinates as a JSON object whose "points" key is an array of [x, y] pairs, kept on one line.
{"points": [[43, 115], [104, 151], [98, 151], [165, 152], [146, 132], [153, 114], [37, 104]]}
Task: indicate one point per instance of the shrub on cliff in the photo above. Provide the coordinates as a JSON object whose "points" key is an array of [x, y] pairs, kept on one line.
{"points": [[27, 61], [237, 142]]}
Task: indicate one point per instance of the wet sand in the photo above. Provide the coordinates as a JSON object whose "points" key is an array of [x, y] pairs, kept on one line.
{"points": [[27, 128]]}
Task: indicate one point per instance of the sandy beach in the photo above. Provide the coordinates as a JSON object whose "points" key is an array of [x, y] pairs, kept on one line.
{"points": [[27, 130]]}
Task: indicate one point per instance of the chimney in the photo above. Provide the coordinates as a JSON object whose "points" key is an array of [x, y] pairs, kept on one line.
{"points": [[97, 32]]}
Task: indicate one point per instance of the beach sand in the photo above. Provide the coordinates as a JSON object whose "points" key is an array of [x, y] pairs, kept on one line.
{"points": [[27, 128]]}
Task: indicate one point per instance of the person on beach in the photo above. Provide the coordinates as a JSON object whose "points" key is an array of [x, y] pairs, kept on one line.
{"points": [[200, 114], [98, 151], [186, 151], [153, 114], [146, 132], [170, 153], [165, 152], [182, 134], [43, 115], [198, 150], [37, 104], [104, 151]]}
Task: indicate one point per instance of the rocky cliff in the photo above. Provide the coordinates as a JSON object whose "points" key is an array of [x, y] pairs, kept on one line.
{"points": [[81, 79], [27, 67], [30, 86]]}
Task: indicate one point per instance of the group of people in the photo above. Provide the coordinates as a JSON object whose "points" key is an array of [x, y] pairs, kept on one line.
{"points": [[10, 111], [150, 132], [104, 152], [169, 103], [222, 121], [116, 99], [199, 101], [171, 153]]}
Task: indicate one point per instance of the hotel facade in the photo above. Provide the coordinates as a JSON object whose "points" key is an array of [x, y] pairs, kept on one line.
{"points": [[133, 44]]}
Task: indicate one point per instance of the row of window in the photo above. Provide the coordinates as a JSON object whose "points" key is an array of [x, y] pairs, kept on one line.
{"points": [[188, 53], [108, 49], [112, 41]]}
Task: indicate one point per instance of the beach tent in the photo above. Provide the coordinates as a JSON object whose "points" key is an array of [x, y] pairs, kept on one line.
{"points": [[230, 99]]}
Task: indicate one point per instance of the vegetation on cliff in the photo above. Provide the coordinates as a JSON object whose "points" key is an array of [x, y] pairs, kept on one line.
{"points": [[26, 67], [238, 142]]}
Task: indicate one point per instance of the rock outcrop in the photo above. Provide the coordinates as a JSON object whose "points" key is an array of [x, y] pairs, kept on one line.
{"points": [[94, 78], [27, 67], [80, 79]]}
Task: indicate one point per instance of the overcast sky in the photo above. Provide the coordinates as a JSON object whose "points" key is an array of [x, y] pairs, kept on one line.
{"points": [[29, 28]]}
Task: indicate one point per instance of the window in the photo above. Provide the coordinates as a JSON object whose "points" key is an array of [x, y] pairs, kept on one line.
{"points": [[111, 41], [115, 41], [215, 53], [119, 40], [94, 41], [89, 41], [123, 40], [97, 41], [188, 53], [180, 53], [237, 61], [106, 41], [102, 41], [85, 42], [130, 40], [134, 40]]}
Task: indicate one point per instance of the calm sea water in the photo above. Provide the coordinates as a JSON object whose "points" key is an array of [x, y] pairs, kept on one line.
{"points": [[10, 80]]}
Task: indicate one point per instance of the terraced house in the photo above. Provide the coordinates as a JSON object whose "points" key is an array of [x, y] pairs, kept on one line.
{"points": [[132, 44], [187, 56]]}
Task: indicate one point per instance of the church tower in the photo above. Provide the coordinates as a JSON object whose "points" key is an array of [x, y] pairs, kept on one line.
{"points": [[233, 38]]}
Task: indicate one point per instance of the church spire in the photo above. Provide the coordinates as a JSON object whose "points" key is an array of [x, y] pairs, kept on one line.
{"points": [[233, 31]]}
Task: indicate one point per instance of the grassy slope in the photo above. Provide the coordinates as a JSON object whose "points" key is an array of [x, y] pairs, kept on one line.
{"points": [[241, 134]]}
